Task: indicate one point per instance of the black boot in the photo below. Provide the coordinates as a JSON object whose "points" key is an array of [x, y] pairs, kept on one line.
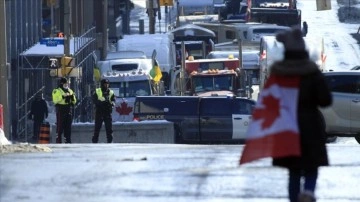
{"points": [[109, 138], [58, 139], [95, 139]]}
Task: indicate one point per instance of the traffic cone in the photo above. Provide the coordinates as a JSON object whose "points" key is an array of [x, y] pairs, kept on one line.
{"points": [[44, 136]]}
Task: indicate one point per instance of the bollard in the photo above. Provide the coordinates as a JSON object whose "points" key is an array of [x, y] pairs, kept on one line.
{"points": [[44, 136], [1, 117], [141, 26]]}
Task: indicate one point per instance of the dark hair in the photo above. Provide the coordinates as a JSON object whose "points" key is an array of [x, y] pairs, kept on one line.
{"points": [[63, 80], [104, 81]]}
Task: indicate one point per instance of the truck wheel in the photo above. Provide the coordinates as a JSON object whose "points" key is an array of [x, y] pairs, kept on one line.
{"points": [[178, 135], [357, 138], [329, 138]]}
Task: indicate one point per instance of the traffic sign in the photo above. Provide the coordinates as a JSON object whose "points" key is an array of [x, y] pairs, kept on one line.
{"points": [[52, 41]]}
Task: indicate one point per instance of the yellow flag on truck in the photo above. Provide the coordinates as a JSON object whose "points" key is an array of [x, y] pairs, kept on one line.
{"points": [[155, 72]]}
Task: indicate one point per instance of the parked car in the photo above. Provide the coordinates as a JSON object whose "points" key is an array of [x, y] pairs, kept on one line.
{"points": [[342, 118]]}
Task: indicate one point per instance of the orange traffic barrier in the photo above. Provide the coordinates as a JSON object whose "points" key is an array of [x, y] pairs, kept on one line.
{"points": [[44, 136]]}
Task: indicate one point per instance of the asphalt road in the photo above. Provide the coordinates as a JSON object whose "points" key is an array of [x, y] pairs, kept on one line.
{"points": [[164, 172]]}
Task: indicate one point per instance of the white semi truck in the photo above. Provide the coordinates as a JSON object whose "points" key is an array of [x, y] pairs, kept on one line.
{"points": [[129, 76]]}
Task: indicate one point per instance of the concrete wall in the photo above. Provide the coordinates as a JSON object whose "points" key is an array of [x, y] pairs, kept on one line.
{"points": [[124, 132]]}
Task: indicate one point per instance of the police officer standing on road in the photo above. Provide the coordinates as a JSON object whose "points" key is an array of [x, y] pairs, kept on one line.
{"points": [[104, 100], [64, 100]]}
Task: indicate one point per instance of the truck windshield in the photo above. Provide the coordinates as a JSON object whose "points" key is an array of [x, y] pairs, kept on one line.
{"points": [[131, 88], [213, 83]]}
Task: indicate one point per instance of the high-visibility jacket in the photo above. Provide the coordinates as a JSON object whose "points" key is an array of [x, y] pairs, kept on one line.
{"points": [[58, 99], [100, 94]]}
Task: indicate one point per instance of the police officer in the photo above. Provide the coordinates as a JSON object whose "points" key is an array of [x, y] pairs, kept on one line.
{"points": [[64, 100], [104, 100]]}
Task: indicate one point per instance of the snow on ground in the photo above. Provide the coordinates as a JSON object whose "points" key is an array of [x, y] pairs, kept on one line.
{"points": [[7, 147], [342, 50], [3, 139]]}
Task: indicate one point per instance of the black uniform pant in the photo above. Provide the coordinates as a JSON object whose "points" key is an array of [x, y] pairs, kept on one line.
{"points": [[99, 119], [63, 125]]}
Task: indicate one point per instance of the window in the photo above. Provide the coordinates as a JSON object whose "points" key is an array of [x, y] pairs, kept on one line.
{"points": [[344, 83], [217, 107], [131, 89], [138, 88], [210, 83], [175, 107], [266, 30], [124, 67], [241, 106], [230, 34]]}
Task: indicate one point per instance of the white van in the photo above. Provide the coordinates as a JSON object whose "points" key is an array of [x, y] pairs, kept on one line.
{"points": [[272, 50]]}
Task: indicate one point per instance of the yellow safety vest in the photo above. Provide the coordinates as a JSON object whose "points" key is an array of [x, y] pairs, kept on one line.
{"points": [[100, 94], [57, 96]]}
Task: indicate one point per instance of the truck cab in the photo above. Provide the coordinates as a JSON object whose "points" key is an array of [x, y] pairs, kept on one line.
{"points": [[128, 73], [205, 77]]}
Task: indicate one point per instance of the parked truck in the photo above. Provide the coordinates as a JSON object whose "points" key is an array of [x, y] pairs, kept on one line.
{"points": [[128, 73], [216, 119], [204, 77], [280, 12], [163, 45], [249, 33]]}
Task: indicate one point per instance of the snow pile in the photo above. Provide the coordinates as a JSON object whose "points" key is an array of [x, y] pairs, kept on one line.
{"points": [[3, 140], [23, 148], [7, 147]]}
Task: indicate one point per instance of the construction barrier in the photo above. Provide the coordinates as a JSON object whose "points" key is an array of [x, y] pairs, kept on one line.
{"points": [[1, 117], [124, 132], [44, 136]]}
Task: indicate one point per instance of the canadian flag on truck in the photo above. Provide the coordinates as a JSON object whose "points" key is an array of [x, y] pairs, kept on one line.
{"points": [[273, 131]]}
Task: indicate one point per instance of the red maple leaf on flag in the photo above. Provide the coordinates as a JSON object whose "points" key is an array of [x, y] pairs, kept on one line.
{"points": [[124, 109], [269, 113]]}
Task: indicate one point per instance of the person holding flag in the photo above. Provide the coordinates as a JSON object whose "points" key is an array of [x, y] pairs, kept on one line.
{"points": [[287, 124]]}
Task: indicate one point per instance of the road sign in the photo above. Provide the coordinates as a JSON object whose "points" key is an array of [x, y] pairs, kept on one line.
{"points": [[53, 63], [52, 41]]}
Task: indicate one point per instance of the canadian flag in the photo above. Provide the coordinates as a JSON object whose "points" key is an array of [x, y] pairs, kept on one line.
{"points": [[273, 131]]}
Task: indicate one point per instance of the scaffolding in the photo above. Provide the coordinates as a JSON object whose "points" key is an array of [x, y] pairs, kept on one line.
{"points": [[33, 77]]}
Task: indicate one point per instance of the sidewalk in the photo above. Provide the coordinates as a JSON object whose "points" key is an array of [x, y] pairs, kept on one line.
{"points": [[139, 13]]}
